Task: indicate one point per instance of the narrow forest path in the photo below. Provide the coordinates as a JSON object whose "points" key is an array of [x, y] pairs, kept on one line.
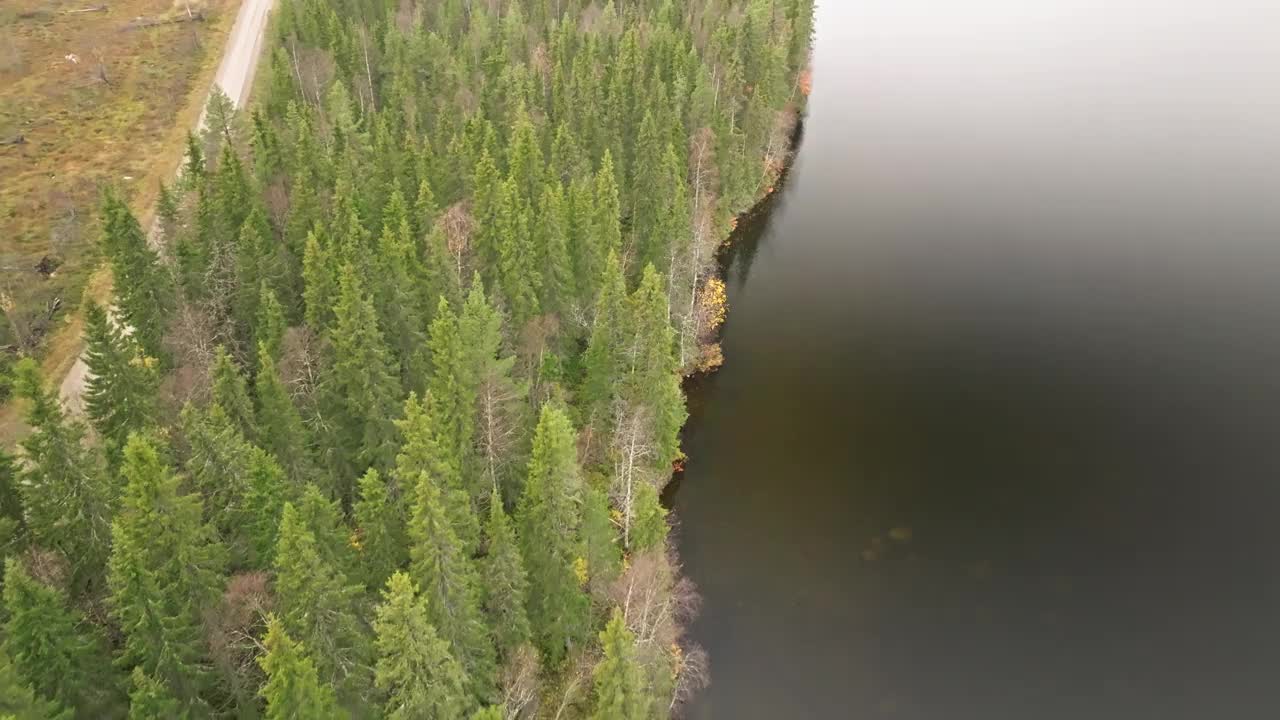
{"points": [[235, 78]]}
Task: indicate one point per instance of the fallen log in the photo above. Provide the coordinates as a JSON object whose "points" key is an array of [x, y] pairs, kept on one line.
{"points": [[93, 8], [146, 22]]}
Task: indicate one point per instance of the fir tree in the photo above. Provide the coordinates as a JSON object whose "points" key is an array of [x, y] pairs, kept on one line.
{"points": [[450, 586], [293, 690], [620, 689], [552, 237], [653, 380], [415, 669], [548, 521]]}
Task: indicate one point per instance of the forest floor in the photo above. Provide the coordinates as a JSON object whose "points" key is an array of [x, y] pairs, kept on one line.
{"points": [[92, 92]]}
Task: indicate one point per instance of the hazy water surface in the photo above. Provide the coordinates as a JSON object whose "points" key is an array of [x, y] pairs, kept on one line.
{"points": [[1020, 300]]}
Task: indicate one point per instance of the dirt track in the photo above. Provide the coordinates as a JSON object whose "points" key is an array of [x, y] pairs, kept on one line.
{"points": [[235, 77]]}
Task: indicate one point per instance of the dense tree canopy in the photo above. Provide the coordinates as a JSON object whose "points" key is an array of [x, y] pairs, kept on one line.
{"points": [[377, 423]]}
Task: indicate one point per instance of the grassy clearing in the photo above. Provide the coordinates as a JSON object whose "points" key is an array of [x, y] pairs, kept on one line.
{"points": [[95, 100]]}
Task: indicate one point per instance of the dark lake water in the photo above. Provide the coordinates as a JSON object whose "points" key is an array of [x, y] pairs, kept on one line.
{"points": [[998, 436]]}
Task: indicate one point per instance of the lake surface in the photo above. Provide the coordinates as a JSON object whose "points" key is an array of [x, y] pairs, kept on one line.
{"points": [[998, 435]]}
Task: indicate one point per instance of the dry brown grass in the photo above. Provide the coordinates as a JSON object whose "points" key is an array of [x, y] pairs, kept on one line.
{"points": [[81, 133]]}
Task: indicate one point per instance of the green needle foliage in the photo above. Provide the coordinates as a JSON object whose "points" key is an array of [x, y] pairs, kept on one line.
{"points": [[401, 365]]}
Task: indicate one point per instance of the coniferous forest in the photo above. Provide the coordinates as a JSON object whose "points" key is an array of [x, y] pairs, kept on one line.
{"points": [[378, 421]]}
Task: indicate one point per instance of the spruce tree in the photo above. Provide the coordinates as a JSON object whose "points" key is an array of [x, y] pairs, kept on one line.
{"points": [[604, 556], [270, 324], [506, 586], [450, 585], [166, 569], [320, 607], [284, 434], [620, 688], [68, 497], [149, 699], [424, 451], [498, 411], [548, 521], [552, 250], [380, 519], [518, 274], [53, 648], [649, 524], [604, 358], [231, 393], [20, 702], [415, 669], [120, 389], [653, 381], [294, 690], [143, 293], [363, 382]]}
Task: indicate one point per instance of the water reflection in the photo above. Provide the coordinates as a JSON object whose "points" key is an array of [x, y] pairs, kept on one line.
{"points": [[994, 437]]}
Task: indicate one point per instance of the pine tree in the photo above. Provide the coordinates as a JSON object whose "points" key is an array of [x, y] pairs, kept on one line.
{"points": [[619, 680], [166, 568], [151, 700], [51, 646], [143, 293], [450, 587], [68, 499], [548, 521], [320, 607], [120, 390], [293, 690], [506, 586], [381, 522], [415, 669]]}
